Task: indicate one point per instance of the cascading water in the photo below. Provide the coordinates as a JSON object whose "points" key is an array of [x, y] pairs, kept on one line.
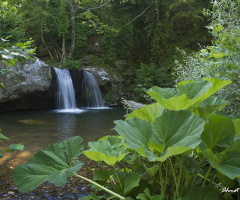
{"points": [[66, 95], [91, 94]]}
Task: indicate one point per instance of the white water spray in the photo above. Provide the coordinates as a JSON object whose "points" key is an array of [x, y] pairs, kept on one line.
{"points": [[92, 96], [66, 95]]}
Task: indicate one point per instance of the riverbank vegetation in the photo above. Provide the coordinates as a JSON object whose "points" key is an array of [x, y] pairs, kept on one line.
{"points": [[181, 147]]}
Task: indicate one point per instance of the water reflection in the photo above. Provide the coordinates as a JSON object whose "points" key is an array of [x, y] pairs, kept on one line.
{"points": [[66, 126], [37, 129]]}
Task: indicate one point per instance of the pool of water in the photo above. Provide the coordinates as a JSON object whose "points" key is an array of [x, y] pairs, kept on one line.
{"points": [[37, 129]]}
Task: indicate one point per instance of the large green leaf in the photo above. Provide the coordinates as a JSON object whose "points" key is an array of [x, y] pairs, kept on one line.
{"points": [[148, 113], [231, 165], [219, 131], [130, 182], [136, 133], [110, 150], [176, 132], [202, 193], [183, 98], [189, 94], [210, 105], [54, 164], [217, 85]]}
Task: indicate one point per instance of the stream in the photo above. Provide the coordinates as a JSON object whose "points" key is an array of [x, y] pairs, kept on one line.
{"points": [[36, 130]]}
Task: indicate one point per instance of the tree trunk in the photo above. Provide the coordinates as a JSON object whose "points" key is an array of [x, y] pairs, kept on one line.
{"points": [[63, 50], [51, 56], [73, 12]]}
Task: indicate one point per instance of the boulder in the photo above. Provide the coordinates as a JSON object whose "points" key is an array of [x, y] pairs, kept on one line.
{"points": [[26, 83]]}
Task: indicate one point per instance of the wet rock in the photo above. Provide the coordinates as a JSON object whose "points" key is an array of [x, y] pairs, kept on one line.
{"points": [[100, 75]]}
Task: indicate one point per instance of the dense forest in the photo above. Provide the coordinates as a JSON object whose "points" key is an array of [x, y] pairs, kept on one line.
{"points": [[129, 38]]}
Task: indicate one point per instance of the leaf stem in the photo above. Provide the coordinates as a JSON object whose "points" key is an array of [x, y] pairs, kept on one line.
{"points": [[205, 179], [175, 179], [166, 175], [180, 173], [100, 186], [193, 174], [214, 176], [118, 178], [161, 179]]}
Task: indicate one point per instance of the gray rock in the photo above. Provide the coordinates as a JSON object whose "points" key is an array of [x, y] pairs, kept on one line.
{"points": [[132, 105], [30, 77], [100, 75]]}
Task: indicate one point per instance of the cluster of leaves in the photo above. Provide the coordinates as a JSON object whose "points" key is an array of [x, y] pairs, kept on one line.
{"points": [[181, 147], [13, 53], [222, 58], [12, 147]]}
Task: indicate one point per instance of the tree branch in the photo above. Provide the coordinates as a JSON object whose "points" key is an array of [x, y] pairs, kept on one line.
{"points": [[97, 7], [137, 16]]}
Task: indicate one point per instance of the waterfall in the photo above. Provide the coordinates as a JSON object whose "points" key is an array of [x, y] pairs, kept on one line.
{"points": [[91, 94], [65, 95]]}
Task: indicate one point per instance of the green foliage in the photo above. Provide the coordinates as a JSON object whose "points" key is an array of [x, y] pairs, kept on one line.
{"points": [[72, 64], [10, 19], [222, 58], [11, 148], [161, 153], [13, 53], [110, 151], [147, 76]]}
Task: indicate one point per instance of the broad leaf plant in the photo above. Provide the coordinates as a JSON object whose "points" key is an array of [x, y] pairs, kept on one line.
{"points": [[181, 147]]}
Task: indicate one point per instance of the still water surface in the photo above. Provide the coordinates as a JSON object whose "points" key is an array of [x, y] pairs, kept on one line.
{"points": [[37, 129]]}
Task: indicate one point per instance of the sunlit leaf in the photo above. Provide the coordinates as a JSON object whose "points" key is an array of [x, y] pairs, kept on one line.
{"points": [[148, 113], [54, 164], [110, 150], [176, 132], [188, 94]]}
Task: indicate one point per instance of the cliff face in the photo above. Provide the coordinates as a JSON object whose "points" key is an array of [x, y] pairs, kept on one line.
{"points": [[27, 86]]}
